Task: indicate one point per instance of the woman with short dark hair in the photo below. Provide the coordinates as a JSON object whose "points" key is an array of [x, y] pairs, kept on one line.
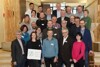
{"points": [[25, 35], [78, 51]]}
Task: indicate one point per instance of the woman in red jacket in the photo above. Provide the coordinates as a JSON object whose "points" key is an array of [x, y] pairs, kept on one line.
{"points": [[78, 51]]}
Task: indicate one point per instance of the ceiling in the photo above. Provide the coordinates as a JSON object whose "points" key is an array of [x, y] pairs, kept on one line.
{"points": [[67, 1]]}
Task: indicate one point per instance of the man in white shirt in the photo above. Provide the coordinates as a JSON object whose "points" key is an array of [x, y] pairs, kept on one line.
{"points": [[18, 51], [31, 7], [57, 11], [48, 14]]}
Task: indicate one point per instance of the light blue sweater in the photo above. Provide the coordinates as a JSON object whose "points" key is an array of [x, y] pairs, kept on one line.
{"points": [[50, 48]]}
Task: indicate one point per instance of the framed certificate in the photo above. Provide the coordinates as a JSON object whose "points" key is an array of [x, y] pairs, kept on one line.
{"points": [[34, 54]]}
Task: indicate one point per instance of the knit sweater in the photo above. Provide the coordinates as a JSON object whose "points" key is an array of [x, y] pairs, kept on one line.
{"points": [[78, 50]]}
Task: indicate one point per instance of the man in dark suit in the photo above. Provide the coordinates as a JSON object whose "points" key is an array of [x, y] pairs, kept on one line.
{"points": [[57, 11], [65, 48], [40, 9], [18, 51], [63, 17], [86, 35], [48, 14]]}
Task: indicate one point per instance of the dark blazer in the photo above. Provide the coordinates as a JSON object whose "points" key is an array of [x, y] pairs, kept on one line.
{"points": [[73, 31], [66, 18], [54, 13], [87, 40], [66, 49], [16, 51], [38, 15]]}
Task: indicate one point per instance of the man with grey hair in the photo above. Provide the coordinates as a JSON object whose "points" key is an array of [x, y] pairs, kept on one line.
{"points": [[18, 51], [64, 56], [57, 11], [64, 25], [63, 17], [33, 28]]}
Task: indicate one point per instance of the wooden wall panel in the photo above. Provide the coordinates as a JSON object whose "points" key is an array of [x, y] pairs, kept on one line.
{"points": [[93, 12], [22, 7], [98, 33], [99, 2], [2, 22], [12, 18]]}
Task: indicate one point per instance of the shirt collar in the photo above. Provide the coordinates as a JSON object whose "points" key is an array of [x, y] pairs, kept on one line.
{"points": [[83, 28], [48, 39]]}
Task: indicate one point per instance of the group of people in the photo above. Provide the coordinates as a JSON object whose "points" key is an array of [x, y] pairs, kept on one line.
{"points": [[62, 37]]}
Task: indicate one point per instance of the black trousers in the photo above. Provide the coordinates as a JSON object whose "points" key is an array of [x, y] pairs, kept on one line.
{"points": [[49, 61], [33, 63], [22, 63], [80, 63], [60, 63]]}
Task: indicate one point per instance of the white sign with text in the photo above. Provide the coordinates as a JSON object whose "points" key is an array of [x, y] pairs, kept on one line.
{"points": [[34, 54]]}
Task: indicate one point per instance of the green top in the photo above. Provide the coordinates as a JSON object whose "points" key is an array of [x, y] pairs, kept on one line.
{"points": [[88, 22]]}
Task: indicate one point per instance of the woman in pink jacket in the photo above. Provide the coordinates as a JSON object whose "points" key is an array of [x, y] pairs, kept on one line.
{"points": [[78, 51]]}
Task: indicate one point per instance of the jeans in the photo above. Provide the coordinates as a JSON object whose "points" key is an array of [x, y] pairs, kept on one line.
{"points": [[86, 59]]}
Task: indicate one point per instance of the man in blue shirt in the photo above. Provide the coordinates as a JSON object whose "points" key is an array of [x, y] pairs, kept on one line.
{"points": [[50, 50]]}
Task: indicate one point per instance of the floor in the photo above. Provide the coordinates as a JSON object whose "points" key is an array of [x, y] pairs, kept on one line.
{"points": [[5, 58]]}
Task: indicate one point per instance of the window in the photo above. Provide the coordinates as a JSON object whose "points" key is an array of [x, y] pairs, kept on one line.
{"points": [[63, 6]]}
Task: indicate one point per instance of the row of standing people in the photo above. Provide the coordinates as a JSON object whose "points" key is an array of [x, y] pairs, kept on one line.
{"points": [[59, 13], [60, 20], [63, 53]]}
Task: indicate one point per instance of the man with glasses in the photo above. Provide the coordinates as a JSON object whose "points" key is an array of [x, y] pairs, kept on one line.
{"points": [[64, 56], [86, 35], [18, 51]]}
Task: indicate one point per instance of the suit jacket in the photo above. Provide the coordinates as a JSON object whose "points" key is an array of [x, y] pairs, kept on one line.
{"points": [[73, 31], [38, 15], [16, 51], [54, 13], [66, 49], [66, 18], [87, 40]]}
